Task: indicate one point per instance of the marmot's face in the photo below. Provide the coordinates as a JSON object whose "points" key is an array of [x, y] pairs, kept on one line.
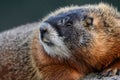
{"points": [[61, 34]]}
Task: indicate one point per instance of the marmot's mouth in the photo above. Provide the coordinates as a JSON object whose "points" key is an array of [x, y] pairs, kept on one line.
{"points": [[47, 41]]}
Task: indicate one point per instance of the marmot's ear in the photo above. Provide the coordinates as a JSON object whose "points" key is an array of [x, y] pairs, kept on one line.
{"points": [[87, 21]]}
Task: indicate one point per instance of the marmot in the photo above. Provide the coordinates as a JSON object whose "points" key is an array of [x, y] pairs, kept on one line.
{"points": [[66, 45]]}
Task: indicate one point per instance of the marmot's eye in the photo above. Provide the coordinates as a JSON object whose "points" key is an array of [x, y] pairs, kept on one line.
{"points": [[69, 24], [63, 21]]}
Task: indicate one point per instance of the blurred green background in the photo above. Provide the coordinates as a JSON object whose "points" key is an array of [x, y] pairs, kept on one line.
{"points": [[17, 12]]}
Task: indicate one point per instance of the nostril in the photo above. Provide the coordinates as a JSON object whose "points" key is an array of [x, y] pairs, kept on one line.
{"points": [[43, 31]]}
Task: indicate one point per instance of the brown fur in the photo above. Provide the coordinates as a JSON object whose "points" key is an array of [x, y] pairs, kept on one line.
{"points": [[102, 56], [29, 61]]}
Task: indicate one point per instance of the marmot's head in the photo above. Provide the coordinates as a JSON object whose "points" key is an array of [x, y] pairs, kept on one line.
{"points": [[77, 28]]}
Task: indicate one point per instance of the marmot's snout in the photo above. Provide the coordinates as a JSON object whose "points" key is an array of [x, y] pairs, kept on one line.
{"points": [[45, 31], [51, 41]]}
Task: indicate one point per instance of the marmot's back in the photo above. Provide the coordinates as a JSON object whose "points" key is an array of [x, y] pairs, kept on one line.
{"points": [[15, 57]]}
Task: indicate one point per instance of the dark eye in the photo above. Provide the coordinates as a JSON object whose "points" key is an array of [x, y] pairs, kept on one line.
{"points": [[63, 21], [69, 23]]}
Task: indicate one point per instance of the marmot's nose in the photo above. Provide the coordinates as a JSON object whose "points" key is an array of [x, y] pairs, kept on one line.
{"points": [[44, 27], [43, 31]]}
